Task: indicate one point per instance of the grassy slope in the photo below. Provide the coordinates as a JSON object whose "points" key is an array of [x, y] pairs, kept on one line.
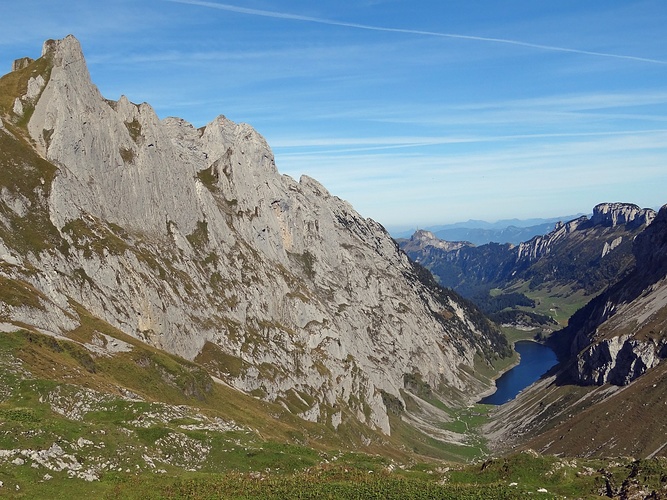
{"points": [[141, 448], [586, 421], [559, 302], [631, 422], [58, 392]]}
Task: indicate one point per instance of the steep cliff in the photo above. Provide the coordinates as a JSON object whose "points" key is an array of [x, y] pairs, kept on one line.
{"points": [[587, 254], [191, 241], [622, 333], [607, 396]]}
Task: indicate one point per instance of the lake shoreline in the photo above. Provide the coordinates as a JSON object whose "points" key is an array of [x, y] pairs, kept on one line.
{"points": [[510, 381]]}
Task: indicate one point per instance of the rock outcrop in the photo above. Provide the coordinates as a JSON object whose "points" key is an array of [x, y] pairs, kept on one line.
{"points": [[424, 240], [618, 360], [622, 333], [614, 214], [190, 240], [21, 63], [584, 253]]}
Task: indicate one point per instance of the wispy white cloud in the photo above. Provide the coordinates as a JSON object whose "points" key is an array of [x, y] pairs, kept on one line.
{"points": [[435, 184], [331, 22], [376, 143], [447, 116], [564, 158], [580, 101]]}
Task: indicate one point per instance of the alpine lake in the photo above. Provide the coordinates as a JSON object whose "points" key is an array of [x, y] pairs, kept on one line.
{"points": [[535, 360]]}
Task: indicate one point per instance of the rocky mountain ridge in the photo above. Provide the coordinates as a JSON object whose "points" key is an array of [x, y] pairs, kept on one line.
{"points": [[622, 332], [591, 253], [609, 215], [191, 241], [608, 395]]}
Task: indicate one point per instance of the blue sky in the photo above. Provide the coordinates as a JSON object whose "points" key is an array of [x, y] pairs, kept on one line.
{"points": [[417, 112]]}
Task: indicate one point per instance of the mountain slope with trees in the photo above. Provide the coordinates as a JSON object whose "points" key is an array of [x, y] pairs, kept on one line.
{"points": [[582, 256]]}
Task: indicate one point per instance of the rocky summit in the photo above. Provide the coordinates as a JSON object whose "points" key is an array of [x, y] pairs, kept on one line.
{"points": [[585, 253], [191, 241]]}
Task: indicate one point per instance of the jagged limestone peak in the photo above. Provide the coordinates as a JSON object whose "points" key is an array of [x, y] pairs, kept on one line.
{"points": [[63, 52], [192, 241], [108, 152]]}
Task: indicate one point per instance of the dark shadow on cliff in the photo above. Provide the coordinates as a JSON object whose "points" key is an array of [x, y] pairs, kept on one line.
{"points": [[650, 251]]}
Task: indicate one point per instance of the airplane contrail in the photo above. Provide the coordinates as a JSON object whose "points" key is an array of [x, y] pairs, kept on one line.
{"points": [[330, 22], [374, 144]]}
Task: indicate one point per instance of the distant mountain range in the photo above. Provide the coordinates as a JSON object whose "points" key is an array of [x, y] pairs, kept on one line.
{"points": [[480, 232], [584, 256]]}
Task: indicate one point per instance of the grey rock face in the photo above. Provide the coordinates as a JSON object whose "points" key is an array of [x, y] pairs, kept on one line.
{"points": [[621, 333], [541, 246], [617, 361], [21, 63], [604, 214], [192, 241], [613, 214], [584, 253], [421, 240]]}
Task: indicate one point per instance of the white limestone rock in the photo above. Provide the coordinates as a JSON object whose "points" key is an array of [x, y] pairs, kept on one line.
{"points": [[21, 63], [35, 86], [608, 247], [18, 107], [191, 240], [618, 360], [614, 214]]}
